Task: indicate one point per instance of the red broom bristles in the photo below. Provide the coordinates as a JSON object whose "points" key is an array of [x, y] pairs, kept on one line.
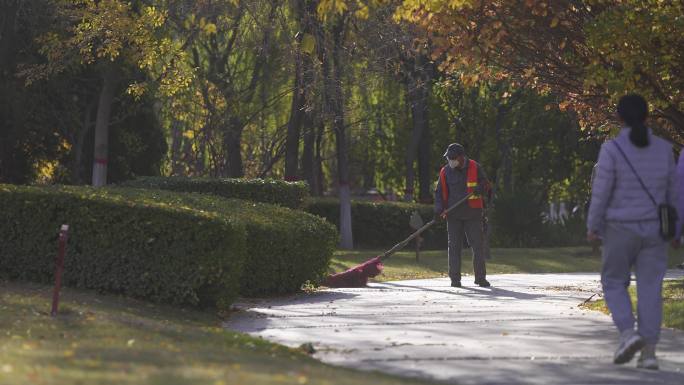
{"points": [[357, 276]]}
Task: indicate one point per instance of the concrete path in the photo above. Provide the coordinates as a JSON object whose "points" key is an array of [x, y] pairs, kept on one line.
{"points": [[527, 329]]}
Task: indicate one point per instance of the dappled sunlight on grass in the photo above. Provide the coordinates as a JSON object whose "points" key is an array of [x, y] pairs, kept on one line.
{"points": [[111, 340]]}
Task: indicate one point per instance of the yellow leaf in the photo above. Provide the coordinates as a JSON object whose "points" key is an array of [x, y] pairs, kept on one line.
{"points": [[362, 13], [554, 22], [308, 43], [210, 28]]}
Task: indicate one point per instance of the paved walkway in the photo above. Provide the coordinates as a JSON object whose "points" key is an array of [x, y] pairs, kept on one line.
{"points": [[527, 329]]}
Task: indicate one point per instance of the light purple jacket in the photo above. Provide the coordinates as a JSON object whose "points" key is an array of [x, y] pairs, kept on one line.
{"points": [[680, 193], [617, 195]]}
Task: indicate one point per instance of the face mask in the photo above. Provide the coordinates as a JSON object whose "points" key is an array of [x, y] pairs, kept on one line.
{"points": [[453, 163]]}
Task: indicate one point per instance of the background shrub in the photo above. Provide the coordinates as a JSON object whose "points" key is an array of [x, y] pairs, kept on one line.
{"points": [[518, 221], [126, 241], [288, 194], [381, 224]]}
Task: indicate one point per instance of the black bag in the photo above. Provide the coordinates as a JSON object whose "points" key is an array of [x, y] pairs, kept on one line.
{"points": [[666, 213]]}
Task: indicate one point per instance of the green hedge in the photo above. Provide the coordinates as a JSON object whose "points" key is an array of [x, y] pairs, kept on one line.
{"points": [[163, 246], [285, 247], [381, 224], [124, 242], [288, 194]]}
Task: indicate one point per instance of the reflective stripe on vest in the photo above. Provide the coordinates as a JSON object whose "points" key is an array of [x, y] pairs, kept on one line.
{"points": [[475, 201]]}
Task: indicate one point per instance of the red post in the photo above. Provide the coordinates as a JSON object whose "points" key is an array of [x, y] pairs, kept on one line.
{"points": [[59, 267]]}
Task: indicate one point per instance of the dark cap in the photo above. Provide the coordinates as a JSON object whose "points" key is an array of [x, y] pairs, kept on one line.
{"points": [[454, 150]]}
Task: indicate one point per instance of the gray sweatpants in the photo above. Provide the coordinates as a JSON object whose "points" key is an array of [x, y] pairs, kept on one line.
{"points": [[637, 245], [472, 229]]}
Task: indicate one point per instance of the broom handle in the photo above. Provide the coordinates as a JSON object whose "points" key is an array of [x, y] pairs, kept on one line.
{"points": [[405, 242]]}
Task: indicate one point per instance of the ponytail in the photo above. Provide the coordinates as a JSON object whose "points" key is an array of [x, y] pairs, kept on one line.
{"points": [[638, 134], [633, 109]]}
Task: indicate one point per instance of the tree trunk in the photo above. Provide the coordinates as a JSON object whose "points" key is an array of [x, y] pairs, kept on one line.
{"points": [[335, 101], [77, 168], [318, 161], [176, 143], [308, 157], [503, 141], [104, 108], [201, 152], [421, 122], [232, 138], [415, 96], [295, 123]]}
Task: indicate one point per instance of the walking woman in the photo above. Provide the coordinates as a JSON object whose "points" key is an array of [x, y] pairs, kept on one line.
{"points": [[636, 173]]}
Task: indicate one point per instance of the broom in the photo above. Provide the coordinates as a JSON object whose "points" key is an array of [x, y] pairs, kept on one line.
{"points": [[358, 275]]}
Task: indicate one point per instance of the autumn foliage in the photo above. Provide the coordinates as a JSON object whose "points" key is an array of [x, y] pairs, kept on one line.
{"points": [[588, 52]]}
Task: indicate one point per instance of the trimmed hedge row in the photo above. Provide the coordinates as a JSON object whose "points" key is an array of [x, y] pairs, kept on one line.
{"points": [[288, 194], [162, 246], [285, 247], [381, 224], [122, 243]]}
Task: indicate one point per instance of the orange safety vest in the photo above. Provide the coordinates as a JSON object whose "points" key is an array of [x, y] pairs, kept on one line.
{"points": [[474, 201]]}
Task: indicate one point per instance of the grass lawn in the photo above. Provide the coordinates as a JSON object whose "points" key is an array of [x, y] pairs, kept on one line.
{"points": [[433, 263], [111, 340], [673, 303]]}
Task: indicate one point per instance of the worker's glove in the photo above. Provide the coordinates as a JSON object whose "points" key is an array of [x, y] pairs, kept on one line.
{"points": [[478, 190]]}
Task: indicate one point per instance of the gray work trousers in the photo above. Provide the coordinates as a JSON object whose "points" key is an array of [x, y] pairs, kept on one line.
{"points": [[472, 229], [638, 245]]}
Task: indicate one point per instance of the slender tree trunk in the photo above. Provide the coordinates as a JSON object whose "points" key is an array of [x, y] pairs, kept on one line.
{"points": [[421, 122], [77, 167], [295, 123], [201, 152], [416, 95], [104, 109], [186, 157], [503, 141], [335, 101], [318, 161], [308, 157], [232, 138], [176, 143]]}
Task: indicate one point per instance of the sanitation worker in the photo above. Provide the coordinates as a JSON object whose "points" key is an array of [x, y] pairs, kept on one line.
{"points": [[459, 177]]}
